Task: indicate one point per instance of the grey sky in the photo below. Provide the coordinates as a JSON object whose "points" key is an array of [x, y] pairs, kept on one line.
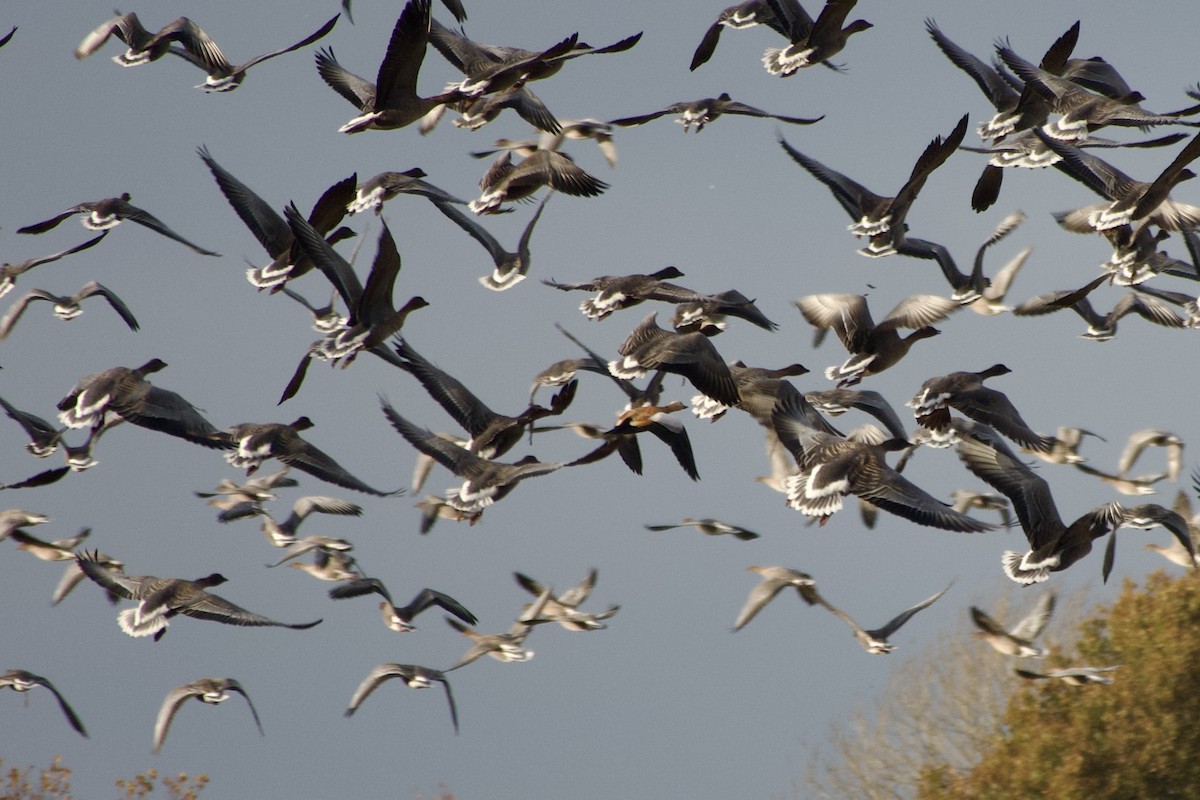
{"points": [[666, 702]]}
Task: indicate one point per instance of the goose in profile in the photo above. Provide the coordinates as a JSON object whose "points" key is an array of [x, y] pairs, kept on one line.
{"points": [[12, 519], [668, 429], [506, 182], [288, 259], [255, 491], [965, 392], [831, 467], [965, 500], [874, 641], [10, 272], [142, 46], [564, 608], [692, 355], [1152, 437], [374, 192], [20, 680], [1176, 553], [741, 16], [1017, 641], [494, 68], [415, 677], [283, 534], [881, 219], [486, 482], [702, 112], [66, 307], [392, 101], [200, 50], [255, 442], [1064, 447], [708, 316], [57, 550], [331, 561], [125, 392], [616, 292], [1072, 676], [100, 215], [774, 580], [505, 647], [161, 599], [399, 618], [1144, 517], [509, 268], [811, 43], [492, 434], [709, 527], [873, 347], [562, 372], [209, 691], [1133, 486], [434, 507], [1053, 545]]}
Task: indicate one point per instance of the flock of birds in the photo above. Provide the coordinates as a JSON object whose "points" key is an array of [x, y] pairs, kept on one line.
{"points": [[1048, 109]]}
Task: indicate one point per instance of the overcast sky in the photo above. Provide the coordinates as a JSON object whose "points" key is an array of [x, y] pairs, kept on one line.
{"points": [[665, 702]]}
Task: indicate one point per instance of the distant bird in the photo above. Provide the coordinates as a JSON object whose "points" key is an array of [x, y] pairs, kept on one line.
{"points": [[1019, 640], [331, 561], [506, 182], [616, 292], [564, 608], [397, 618], [1152, 437], [485, 481], [126, 393], [254, 443], [774, 579], [66, 307], [478, 110], [811, 42], [964, 500], [509, 268], [873, 347], [142, 46], [494, 68], [10, 272], [874, 641], [1176, 552], [12, 519], [709, 527], [203, 52], [414, 677], [578, 129], [21, 681], [434, 507], [692, 355], [1065, 446], [57, 550], [708, 316], [1073, 676], [506, 647], [1144, 517], [256, 490], [210, 691], [562, 372], [371, 194], [702, 112], [160, 599], [965, 393], [881, 219], [1133, 486], [108, 213], [392, 101], [283, 534]]}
